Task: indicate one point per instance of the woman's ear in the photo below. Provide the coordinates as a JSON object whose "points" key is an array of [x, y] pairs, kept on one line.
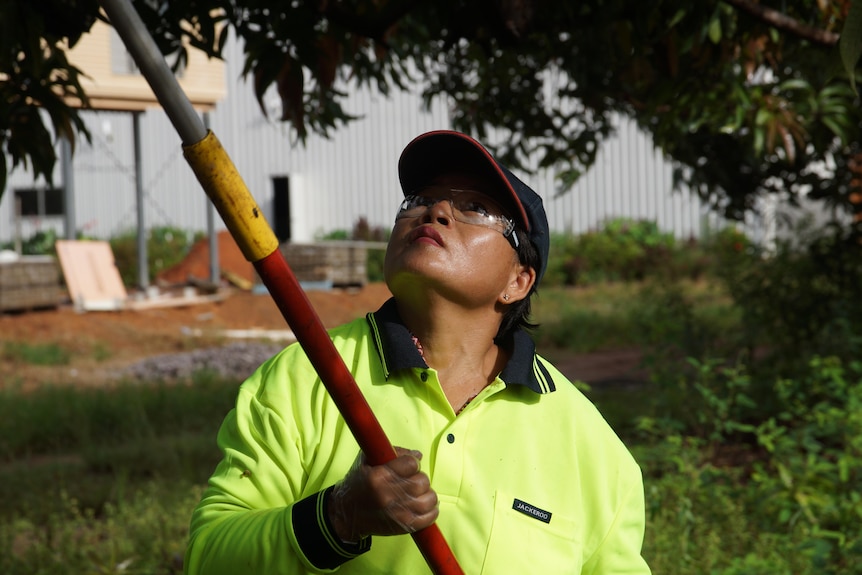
{"points": [[520, 285]]}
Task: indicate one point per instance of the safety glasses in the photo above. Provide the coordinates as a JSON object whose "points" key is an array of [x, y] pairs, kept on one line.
{"points": [[468, 207]]}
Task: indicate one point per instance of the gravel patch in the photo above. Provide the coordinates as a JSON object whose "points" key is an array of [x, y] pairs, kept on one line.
{"points": [[236, 360]]}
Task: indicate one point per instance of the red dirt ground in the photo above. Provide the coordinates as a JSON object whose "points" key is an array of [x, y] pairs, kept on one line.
{"points": [[104, 341], [101, 343]]}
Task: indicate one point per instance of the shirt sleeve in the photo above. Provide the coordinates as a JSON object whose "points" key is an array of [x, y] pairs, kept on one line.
{"points": [[620, 551], [259, 513]]}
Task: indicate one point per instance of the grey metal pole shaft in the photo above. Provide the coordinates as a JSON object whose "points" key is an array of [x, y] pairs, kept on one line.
{"points": [[152, 64], [215, 272], [143, 257], [68, 189]]}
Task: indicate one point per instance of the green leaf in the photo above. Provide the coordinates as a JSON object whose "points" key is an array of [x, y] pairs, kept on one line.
{"points": [[835, 128], [795, 84], [850, 43], [834, 109], [680, 14], [758, 141], [837, 90], [715, 30]]}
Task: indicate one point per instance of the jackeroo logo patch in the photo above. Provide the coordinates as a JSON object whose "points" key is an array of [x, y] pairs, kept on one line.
{"points": [[533, 512]]}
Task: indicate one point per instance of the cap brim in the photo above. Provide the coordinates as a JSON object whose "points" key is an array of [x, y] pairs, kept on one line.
{"points": [[445, 152]]}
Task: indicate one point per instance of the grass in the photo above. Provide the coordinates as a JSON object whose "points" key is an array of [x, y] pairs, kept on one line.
{"points": [[624, 315], [145, 532], [36, 353], [86, 440]]}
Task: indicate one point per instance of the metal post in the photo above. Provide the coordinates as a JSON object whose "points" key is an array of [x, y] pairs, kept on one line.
{"points": [[68, 189], [143, 264], [215, 271]]}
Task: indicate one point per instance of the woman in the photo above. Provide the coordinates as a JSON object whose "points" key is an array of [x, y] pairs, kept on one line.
{"points": [[518, 469]]}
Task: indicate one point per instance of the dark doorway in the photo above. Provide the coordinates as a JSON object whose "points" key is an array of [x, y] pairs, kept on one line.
{"points": [[281, 208]]}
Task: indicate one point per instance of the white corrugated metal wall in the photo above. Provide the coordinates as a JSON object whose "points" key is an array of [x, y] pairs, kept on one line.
{"points": [[629, 179], [332, 182]]}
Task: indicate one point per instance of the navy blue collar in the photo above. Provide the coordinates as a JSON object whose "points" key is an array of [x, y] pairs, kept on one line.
{"points": [[395, 346]]}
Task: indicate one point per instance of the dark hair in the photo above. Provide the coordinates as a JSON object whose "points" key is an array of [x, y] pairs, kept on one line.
{"points": [[518, 314]]}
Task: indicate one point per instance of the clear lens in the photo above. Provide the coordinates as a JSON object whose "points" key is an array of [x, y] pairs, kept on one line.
{"points": [[468, 206]]}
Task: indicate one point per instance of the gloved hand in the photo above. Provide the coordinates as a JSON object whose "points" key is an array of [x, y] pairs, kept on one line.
{"points": [[389, 499]]}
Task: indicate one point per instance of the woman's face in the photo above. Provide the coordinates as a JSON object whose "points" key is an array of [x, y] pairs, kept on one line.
{"points": [[465, 262]]}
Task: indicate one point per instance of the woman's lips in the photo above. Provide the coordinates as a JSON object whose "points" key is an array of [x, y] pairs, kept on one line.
{"points": [[426, 234]]}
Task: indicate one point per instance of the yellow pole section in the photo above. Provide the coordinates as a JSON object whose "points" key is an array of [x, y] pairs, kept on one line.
{"points": [[230, 196]]}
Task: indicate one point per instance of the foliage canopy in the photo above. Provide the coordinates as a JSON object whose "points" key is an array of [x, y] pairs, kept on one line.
{"points": [[746, 99]]}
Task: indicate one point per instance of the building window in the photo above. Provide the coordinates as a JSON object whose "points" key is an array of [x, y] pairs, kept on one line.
{"points": [[40, 202]]}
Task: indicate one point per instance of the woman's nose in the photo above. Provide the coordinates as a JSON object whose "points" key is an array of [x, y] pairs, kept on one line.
{"points": [[440, 212]]}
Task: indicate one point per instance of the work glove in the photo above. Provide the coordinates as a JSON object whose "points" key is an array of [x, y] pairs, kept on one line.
{"points": [[388, 499]]}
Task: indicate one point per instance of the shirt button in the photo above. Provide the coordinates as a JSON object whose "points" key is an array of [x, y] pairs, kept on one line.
{"points": [[450, 438], [424, 376]]}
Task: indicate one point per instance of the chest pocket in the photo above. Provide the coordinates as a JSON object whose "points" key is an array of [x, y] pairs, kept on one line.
{"points": [[523, 543]]}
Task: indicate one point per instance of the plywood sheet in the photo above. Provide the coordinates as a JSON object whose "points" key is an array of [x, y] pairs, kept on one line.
{"points": [[91, 274]]}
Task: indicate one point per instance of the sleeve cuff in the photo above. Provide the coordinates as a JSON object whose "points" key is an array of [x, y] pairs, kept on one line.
{"points": [[317, 538]]}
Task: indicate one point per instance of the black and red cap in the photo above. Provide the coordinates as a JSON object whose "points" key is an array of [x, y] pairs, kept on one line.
{"points": [[440, 152]]}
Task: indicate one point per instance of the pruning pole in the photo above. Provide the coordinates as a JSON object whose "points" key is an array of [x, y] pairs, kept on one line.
{"points": [[245, 221]]}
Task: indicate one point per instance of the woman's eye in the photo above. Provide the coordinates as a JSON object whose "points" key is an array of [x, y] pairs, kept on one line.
{"points": [[476, 207], [419, 201]]}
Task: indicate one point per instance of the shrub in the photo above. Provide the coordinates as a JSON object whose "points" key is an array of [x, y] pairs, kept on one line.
{"points": [[727, 249], [621, 250], [563, 262], [698, 520], [166, 246], [39, 244], [800, 301], [788, 480], [811, 483], [675, 321]]}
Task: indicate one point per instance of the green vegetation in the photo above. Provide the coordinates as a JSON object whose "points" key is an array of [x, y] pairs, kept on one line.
{"points": [[745, 101], [102, 480], [35, 353], [40, 243], [730, 491], [166, 246], [144, 532], [88, 438], [23, 352], [748, 429]]}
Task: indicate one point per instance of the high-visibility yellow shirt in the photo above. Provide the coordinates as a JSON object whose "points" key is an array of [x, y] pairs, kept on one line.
{"points": [[530, 477]]}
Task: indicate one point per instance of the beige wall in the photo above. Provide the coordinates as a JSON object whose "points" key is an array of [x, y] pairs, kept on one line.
{"points": [[202, 80]]}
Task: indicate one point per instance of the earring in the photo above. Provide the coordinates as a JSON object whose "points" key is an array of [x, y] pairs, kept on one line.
{"points": [[506, 296]]}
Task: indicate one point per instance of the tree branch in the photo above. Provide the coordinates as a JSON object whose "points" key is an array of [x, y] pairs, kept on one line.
{"points": [[784, 22], [373, 26]]}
